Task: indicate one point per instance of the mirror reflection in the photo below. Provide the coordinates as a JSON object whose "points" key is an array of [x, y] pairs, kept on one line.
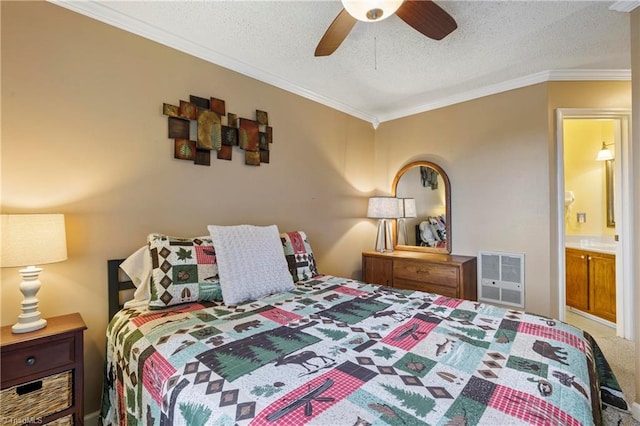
{"points": [[427, 228], [609, 182]]}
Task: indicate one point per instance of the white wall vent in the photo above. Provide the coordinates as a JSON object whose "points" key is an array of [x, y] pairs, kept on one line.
{"points": [[501, 278]]}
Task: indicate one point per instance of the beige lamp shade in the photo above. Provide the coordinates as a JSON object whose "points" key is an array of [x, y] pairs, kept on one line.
{"points": [[407, 207], [383, 208], [32, 239]]}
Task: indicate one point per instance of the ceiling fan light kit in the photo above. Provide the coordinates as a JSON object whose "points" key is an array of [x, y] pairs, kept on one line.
{"points": [[371, 10], [424, 16]]}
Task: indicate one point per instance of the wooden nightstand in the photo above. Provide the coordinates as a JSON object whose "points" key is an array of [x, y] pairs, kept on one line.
{"points": [[41, 374], [448, 275]]}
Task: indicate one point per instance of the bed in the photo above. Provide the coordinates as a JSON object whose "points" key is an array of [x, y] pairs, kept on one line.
{"points": [[336, 351]]}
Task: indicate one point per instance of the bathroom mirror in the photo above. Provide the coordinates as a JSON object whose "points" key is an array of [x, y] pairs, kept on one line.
{"points": [[611, 220], [429, 186]]}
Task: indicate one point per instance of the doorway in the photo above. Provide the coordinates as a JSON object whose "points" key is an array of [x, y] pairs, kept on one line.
{"points": [[618, 122]]}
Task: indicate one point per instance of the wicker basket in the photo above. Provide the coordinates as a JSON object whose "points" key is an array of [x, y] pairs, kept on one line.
{"points": [[34, 400]]}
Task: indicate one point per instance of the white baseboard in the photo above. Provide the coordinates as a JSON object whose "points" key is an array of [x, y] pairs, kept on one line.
{"points": [[594, 318], [635, 410], [92, 419]]}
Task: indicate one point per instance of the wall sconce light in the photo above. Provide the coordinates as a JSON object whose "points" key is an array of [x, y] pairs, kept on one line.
{"points": [[371, 10], [605, 153], [29, 240], [407, 207], [383, 208]]}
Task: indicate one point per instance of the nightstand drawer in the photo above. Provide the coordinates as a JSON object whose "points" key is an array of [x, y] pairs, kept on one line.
{"points": [[39, 398], [42, 373], [37, 358], [432, 273]]}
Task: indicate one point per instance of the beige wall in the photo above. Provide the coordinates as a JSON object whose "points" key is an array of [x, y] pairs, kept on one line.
{"points": [[500, 155], [496, 157], [83, 134], [575, 94], [585, 176]]}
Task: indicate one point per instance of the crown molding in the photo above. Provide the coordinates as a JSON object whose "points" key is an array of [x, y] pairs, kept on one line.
{"points": [[517, 83], [593, 75], [109, 16], [624, 5], [468, 96]]}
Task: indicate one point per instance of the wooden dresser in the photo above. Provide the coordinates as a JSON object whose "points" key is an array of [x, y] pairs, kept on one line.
{"points": [[448, 275], [42, 374]]}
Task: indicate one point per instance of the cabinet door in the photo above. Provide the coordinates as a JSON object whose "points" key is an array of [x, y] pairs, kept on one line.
{"points": [[577, 283], [377, 270], [602, 281]]}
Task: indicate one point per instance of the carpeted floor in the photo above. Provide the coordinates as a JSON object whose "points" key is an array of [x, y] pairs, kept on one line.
{"points": [[620, 354]]}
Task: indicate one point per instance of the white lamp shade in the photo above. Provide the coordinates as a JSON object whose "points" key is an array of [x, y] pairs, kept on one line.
{"points": [[383, 208], [604, 153], [32, 239], [371, 10], [407, 207]]}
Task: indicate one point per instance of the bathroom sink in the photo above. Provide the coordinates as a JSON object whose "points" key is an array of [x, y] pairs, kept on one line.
{"points": [[603, 246], [598, 244], [594, 243]]}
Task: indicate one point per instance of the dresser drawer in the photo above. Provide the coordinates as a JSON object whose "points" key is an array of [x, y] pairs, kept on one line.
{"points": [[432, 273], [37, 358], [447, 275], [427, 288]]}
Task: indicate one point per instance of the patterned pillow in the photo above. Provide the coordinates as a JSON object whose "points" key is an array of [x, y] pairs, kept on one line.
{"points": [[299, 255], [184, 270], [251, 262]]}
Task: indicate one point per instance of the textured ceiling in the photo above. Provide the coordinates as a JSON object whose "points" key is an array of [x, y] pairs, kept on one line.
{"points": [[386, 70]]}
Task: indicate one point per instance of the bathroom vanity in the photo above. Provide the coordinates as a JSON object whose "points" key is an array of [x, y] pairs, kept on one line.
{"points": [[591, 282]]}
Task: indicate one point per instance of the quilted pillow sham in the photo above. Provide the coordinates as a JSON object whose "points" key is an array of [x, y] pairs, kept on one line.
{"points": [[184, 270], [251, 262], [300, 259]]}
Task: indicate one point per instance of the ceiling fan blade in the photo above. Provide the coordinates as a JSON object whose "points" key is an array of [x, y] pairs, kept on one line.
{"points": [[335, 34], [427, 18]]}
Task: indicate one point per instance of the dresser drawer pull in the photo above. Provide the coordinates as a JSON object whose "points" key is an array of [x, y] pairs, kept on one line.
{"points": [[31, 361], [422, 271], [29, 387]]}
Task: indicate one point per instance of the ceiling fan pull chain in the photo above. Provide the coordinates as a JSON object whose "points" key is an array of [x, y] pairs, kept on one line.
{"points": [[375, 53]]}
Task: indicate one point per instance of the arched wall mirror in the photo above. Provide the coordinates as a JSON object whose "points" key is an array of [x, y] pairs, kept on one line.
{"points": [[430, 229]]}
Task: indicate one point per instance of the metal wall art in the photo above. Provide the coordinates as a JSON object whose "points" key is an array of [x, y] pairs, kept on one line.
{"points": [[217, 131]]}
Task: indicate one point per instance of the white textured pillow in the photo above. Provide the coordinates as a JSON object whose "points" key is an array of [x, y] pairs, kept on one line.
{"points": [[251, 262]]}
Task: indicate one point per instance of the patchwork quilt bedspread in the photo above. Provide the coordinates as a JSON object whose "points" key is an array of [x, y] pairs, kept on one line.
{"points": [[336, 351]]}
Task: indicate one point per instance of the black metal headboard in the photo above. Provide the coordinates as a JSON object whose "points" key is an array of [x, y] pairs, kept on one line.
{"points": [[118, 281]]}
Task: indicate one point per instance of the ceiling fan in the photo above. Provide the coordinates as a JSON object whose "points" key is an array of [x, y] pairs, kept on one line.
{"points": [[423, 15]]}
